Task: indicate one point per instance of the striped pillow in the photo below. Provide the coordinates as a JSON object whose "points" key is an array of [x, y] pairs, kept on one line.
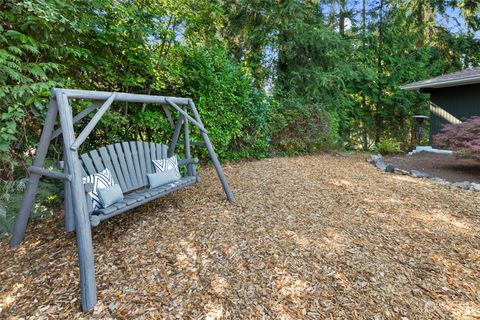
{"points": [[162, 165], [99, 180]]}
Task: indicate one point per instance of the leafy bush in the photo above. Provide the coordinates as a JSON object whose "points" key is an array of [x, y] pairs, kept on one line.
{"points": [[463, 138], [309, 82], [301, 128], [387, 146], [28, 61], [233, 110]]}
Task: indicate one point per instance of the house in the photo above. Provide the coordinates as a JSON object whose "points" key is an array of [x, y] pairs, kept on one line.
{"points": [[454, 97]]}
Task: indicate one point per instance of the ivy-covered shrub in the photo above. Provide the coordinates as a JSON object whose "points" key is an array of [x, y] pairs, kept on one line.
{"points": [[463, 138]]}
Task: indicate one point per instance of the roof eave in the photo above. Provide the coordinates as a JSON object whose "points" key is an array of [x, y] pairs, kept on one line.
{"points": [[442, 84]]}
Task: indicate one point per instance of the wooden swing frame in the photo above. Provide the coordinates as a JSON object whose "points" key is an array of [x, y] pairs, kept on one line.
{"points": [[79, 219]]}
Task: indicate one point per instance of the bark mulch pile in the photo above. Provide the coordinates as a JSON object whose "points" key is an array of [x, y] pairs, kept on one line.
{"points": [[311, 237]]}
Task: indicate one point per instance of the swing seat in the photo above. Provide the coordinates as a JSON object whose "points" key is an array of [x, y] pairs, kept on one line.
{"points": [[129, 163]]}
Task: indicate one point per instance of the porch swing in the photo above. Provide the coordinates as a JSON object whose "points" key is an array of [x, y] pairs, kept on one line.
{"points": [[129, 164]]}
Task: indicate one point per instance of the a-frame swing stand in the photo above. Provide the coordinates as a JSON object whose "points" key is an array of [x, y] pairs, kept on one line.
{"points": [[79, 219]]}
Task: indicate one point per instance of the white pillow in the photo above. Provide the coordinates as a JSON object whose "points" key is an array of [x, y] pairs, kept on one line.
{"points": [[162, 165], [99, 180]]}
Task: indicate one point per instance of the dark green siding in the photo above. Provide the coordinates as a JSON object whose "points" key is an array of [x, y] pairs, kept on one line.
{"points": [[460, 101]]}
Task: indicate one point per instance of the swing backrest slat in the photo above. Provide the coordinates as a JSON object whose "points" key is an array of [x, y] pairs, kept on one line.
{"points": [[130, 166], [123, 165], [141, 159], [148, 159], [129, 162], [88, 164], [136, 163], [112, 155]]}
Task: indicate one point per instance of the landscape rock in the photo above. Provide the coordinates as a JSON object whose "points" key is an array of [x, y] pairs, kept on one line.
{"points": [[390, 168], [440, 181], [400, 171], [465, 185], [419, 174], [378, 160], [382, 167], [344, 154], [475, 186]]}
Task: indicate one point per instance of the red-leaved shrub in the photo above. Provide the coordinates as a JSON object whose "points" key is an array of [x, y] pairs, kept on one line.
{"points": [[463, 138]]}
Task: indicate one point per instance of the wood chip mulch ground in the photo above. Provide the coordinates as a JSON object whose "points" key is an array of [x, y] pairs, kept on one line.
{"points": [[314, 237]]}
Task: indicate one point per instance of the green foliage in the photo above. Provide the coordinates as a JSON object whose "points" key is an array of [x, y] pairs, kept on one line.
{"points": [[229, 104], [268, 77], [381, 109], [326, 85], [29, 60], [311, 76], [387, 146]]}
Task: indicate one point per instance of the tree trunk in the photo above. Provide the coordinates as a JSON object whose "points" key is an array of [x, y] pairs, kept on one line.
{"points": [[341, 18], [364, 19], [377, 116]]}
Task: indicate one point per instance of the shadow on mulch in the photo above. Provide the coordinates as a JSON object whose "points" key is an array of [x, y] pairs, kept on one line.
{"points": [[447, 167]]}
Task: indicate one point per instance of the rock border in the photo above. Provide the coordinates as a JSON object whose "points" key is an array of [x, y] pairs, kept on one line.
{"points": [[377, 159]]}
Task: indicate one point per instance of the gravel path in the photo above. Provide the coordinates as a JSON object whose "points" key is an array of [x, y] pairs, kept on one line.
{"points": [[312, 237]]}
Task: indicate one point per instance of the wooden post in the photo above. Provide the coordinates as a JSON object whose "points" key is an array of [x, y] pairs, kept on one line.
{"points": [[212, 154], [176, 134], [88, 290], [169, 116], [69, 217], [186, 138], [20, 226]]}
